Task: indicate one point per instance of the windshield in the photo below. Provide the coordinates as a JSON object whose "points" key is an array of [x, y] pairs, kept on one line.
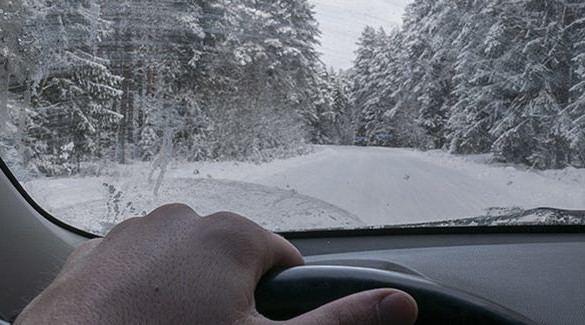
{"points": [[299, 114]]}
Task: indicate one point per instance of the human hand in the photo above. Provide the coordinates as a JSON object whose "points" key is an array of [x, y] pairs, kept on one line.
{"points": [[175, 267]]}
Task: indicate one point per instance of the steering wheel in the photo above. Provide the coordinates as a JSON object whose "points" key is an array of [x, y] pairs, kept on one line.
{"points": [[282, 295]]}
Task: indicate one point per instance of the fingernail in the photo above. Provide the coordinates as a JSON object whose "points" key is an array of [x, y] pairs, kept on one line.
{"points": [[397, 309]]}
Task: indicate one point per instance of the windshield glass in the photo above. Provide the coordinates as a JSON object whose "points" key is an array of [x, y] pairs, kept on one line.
{"points": [[299, 114]]}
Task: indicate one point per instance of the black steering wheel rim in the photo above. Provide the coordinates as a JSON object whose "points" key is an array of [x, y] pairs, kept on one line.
{"points": [[284, 294]]}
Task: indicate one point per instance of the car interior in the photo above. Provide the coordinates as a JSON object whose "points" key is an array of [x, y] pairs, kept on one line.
{"points": [[499, 275], [433, 146]]}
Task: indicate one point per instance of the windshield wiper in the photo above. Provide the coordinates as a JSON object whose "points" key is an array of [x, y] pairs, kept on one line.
{"points": [[514, 217]]}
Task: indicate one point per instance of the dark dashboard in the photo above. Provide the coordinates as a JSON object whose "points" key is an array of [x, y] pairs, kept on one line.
{"points": [[539, 275], [541, 278]]}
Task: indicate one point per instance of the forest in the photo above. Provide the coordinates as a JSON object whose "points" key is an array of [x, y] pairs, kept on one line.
{"points": [[87, 82], [479, 76]]}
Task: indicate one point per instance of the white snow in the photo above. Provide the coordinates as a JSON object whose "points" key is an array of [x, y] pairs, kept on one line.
{"points": [[342, 22], [331, 188]]}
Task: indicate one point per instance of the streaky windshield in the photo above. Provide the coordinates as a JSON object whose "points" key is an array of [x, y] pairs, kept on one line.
{"points": [[299, 114]]}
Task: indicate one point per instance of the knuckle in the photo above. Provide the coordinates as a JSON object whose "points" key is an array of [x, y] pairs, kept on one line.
{"points": [[174, 208], [233, 223], [123, 226], [171, 212], [240, 233], [130, 222]]}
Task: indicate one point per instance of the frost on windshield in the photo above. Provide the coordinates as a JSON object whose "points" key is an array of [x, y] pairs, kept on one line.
{"points": [[109, 108]]}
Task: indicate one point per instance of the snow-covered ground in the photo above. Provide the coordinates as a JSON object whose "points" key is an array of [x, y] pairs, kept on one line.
{"points": [[331, 188]]}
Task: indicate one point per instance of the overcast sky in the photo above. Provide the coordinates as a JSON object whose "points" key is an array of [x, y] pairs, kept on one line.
{"points": [[342, 22]]}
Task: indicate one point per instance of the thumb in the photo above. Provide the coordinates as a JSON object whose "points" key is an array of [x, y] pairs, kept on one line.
{"points": [[381, 306]]}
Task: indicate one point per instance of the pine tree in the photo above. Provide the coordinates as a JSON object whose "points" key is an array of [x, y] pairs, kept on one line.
{"points": [[481, 84], [576, 107], [431, 54], [259, 66], [382, 83], [72, 87], [154, 51], [533, 128], [365, 89], [478, 76], [11, 50], [342, 114], [15, 60]]}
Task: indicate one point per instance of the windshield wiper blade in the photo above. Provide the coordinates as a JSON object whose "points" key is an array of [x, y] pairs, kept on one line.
{"points": [[514, 217]]}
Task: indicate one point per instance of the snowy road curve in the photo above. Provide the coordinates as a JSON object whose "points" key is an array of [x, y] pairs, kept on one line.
{"points": [[392, 186]]}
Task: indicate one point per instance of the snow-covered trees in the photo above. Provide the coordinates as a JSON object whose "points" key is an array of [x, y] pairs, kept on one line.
{"points": [[513, 84], [339, 121], [479, 98], [367, 93], [152, 46], [381, 91], [11, 49], [479, 76], [258, 74], [234, 79], [238, 77], [576, 107], [16, 59], [72, 87], [535, 61], [428, 74]]}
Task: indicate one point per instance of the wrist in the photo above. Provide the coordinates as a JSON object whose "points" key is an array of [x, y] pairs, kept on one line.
{"points": [[75, 301]]}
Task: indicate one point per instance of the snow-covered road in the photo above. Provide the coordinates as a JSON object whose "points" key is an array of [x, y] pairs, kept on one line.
{"points": [[332, 187], [390, 186]]}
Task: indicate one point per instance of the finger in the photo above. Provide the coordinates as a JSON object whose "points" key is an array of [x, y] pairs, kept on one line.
{"points": [[253, 248], [280, 253], [381, 306]]}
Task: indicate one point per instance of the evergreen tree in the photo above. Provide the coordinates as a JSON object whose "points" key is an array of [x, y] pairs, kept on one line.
{"points": [[260, 65], [154, 51], [576, 108], [342, 115], [533, 128], [482, 85], [431, 54], [13, 53], [72, 88], [478, 76], [366, 92], [381, 79]]}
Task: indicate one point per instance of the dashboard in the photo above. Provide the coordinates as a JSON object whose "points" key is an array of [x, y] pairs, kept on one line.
{"points": [[537, 275]]}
